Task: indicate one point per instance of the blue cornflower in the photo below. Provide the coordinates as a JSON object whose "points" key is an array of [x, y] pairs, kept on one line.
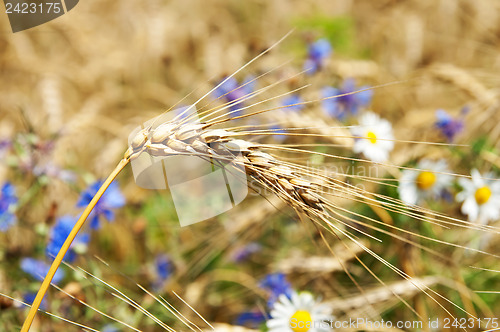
{"points": [[234, 93], [341, 106], [111, 199], [245, 252], [276, 284], [163, 266], [277, 129], [251, 319], [58, 235], [30, 297], [8, 201], [164, 269], [317, 53], [290, 103], [183, 113], [448, 125], [38, 269], [110, 328]]}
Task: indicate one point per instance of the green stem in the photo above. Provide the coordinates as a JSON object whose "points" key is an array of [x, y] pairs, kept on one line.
{"points": [[65, 247]]}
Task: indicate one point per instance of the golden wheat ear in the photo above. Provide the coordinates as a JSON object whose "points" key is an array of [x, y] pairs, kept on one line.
{"points": [[140, 143], [65, 247]]}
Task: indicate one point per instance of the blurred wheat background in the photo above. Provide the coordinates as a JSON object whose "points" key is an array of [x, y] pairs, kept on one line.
{"points": [[73, 89]]}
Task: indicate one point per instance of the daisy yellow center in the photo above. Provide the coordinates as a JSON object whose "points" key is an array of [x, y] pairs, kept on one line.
{"points": [[482, 195], [372, 137], [301, 321], [425, 180]]}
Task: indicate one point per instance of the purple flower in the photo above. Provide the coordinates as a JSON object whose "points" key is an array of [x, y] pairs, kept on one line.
{"points": [[112, 199], [58, 235], [448, 125], [38, 269], [339, 107], [251, 319], [35, 155], [8, 201], [245, 252], [317, 54], [276, 284], [52, 170], [234, 93], [4, 146]]}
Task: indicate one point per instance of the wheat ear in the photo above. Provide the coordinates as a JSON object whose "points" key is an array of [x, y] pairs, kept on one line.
{"points": [[65, 247], [146, 139]]}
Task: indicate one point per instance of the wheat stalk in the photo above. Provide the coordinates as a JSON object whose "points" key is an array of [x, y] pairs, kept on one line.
{"points": [[310, 192], [65, 247], [138, 143]]}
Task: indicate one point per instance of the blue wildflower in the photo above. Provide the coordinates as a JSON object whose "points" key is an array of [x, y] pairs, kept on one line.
{"points": [[38, 269], [234, 93], [339, 107], [245, 252], [30, 297], [185, 112], [277, 129], [164, 269], [58, 235], [251, 319], [112, 199], [317, 53], [110, 328], [448, 125], [163, 266], [290, 103], [8, 201], [276, 284]]}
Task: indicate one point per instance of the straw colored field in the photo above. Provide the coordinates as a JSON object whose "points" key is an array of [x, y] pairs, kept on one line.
{"points": [[73, 89]]}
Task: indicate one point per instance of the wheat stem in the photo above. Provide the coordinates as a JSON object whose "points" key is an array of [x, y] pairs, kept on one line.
{"points": [[65, 247]]}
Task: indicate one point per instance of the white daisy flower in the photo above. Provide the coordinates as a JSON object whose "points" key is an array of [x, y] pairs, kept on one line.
{"points": [[427, 182], [300, 314], [377, 137], [481, 197]]}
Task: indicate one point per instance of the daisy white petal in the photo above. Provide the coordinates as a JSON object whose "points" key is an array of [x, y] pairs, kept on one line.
{"points": [[375, 138], [301, 313], [429, 180], [470, 208], [480, 197]]}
